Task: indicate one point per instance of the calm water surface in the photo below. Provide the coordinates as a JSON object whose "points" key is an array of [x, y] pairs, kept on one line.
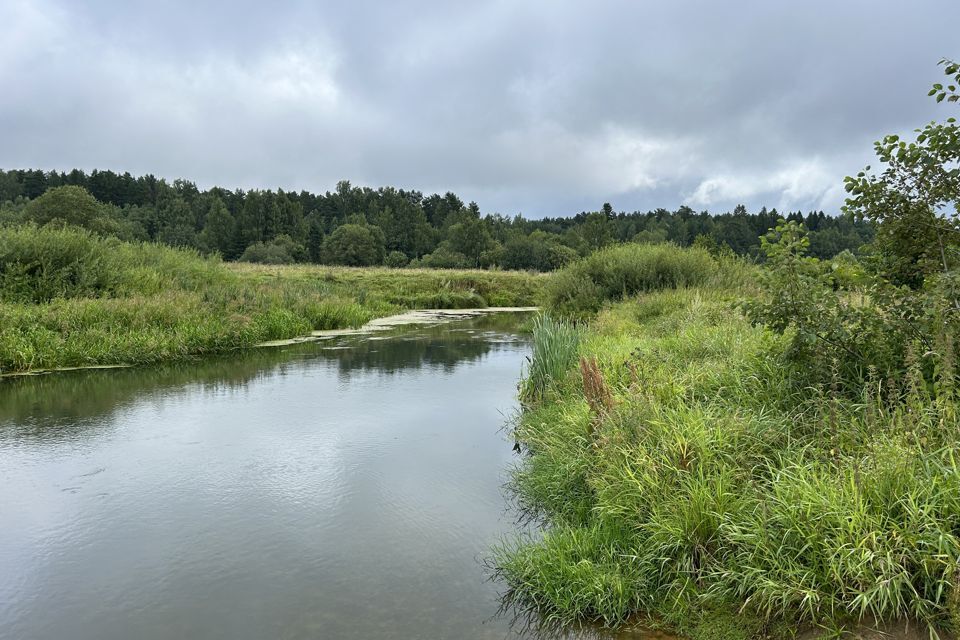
{"points": [[343, 489]]}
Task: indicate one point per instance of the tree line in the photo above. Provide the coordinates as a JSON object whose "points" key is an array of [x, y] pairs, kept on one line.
{"points": [[361, 226]]}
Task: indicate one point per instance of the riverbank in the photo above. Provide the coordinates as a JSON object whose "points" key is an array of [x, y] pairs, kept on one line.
{"points": [[386, 323], [684, 484], [71, 299]]}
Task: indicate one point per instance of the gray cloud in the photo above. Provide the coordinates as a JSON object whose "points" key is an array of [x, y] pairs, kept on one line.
{"points": [[544, 108]]}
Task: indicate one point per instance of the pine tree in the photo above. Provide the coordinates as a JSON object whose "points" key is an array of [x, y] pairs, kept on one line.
{"points": [[218, 233]]}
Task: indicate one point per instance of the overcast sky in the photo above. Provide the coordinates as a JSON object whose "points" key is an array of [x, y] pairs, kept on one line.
{"points": [[544, 108]]}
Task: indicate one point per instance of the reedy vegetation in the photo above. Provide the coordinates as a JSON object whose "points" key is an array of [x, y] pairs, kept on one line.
{"points": [[554, 352], [72, 298], [708, 489], [621, 271]]}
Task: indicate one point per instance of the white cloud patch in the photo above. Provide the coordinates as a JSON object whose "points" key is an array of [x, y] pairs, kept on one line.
{"points": [[801, 183], [613, 160]]}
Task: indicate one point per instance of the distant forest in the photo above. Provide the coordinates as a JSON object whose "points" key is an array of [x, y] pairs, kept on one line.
{"points": [[361, 226]]}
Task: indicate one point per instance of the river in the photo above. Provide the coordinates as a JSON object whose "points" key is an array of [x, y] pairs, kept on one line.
{"points": [[348, 488]]}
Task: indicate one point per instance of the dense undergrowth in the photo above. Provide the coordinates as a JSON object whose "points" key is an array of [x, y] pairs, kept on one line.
{"points": [[724, 453], [617, 272], [71, 298], [697, 488]]}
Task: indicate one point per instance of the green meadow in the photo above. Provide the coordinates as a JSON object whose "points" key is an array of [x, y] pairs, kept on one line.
{"points": [[69, 298]]}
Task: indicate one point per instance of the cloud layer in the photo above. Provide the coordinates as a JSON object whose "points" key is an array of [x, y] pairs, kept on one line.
{"points": [[544, 108]]}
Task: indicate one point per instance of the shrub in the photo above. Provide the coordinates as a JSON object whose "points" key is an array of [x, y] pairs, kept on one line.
{"points": [[281, 250], [40, 264], [844, 322], [74, 206], [539, 251], [445, 258], [354, 245], [71, 204], [581, 288], [396, 260], [491, 258]]}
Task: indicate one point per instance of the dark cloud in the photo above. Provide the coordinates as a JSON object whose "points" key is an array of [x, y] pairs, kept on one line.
{"points": [[541, 107]]}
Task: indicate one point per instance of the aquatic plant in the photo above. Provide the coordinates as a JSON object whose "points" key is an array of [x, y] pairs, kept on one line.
{"points": [[555, 344]]}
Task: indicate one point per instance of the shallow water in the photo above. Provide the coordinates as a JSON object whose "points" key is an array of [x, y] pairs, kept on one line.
{"points": [[343, 489]]}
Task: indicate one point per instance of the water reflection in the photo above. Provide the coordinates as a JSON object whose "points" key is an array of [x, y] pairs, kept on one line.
{"points": [[531, 624], [73, 400], [441, 346], [342, 489]]}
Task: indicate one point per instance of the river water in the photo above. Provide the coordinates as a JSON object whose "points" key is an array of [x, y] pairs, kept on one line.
{"points": [[349, 488]]}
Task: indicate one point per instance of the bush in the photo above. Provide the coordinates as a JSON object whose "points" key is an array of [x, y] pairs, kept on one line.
{"points": [[281, 250], [445, 258], [74, 206], [539, 251], [354, 245], [40, 264], [581, 288], [71, 204], [845, 324], [491, 258], [396, 260]]}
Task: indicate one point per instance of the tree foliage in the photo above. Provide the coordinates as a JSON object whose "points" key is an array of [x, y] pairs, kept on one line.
{"points": [[354, 245], [281, 250], [915, 200], [69, 204], [895, 315], [438, 230]]}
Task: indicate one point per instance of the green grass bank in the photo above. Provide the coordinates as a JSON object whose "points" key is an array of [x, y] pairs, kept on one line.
{"points": [[69, 298], [685, 482]]}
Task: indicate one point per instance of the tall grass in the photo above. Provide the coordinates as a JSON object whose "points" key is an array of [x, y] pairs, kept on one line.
{"points": [[40, 264], [555, 349], [707, 493], [581, 289], [413, 288], [70, 298]]}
